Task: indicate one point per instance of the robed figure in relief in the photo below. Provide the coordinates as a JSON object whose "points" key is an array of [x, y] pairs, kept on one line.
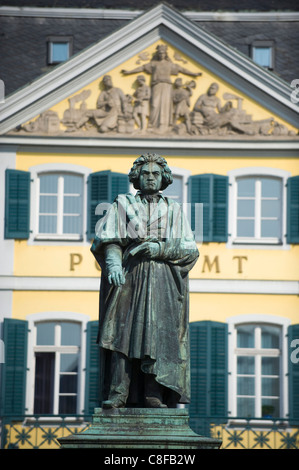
{"points": [[146, 249]]}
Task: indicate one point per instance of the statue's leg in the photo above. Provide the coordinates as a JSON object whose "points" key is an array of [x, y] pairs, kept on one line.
{"points": [[121, 370], [153, 392]]}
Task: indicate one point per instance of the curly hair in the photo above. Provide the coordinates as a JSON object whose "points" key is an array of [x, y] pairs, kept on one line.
{"points": [[147, 158]]}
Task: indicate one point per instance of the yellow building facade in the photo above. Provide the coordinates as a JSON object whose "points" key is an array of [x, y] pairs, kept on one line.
{"points": [[238, 161]]}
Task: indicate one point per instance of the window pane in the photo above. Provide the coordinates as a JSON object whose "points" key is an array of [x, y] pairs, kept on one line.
{"points": [[245, 228], [44, 383], [72, 205], [47, 224], [60, 51], [45, 333], [270, 387], [271, 187], [270, 408], [175, 190], [73, 184], [262, 56], [68, 383], [70, 334], [270, 365], [245, 365], [245, 336], [245, 385], [246, 187], [246, 207], [72, 224], [270, 208], [245, 407], [270, 228], [270, 336], [48, 204], [67, 405], [69, 363], [48, 184]]}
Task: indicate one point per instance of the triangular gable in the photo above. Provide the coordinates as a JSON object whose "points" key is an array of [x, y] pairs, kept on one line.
{"points": [[253, 102]]}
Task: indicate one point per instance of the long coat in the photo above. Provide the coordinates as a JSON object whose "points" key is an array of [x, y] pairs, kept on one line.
{"points": [[147, 317]]}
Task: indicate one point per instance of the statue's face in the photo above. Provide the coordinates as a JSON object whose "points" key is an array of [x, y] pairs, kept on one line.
{"points": [[150, 179], [161, 54]]}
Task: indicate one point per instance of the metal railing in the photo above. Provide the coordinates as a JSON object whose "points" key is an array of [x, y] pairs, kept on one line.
{"points": [[249, 433], [42, 432]]}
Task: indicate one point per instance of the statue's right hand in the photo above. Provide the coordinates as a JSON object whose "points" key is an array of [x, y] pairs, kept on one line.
{"points": [[116, 277]]}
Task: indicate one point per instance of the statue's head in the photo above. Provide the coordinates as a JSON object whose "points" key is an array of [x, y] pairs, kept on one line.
{"points": [[107, 81], [154, 158]]}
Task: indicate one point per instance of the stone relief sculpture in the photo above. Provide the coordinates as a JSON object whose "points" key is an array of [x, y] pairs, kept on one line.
{"points": [[210, 117], [181, 101], [141, 104], [161, 68], [162, 108], [110, 104]]}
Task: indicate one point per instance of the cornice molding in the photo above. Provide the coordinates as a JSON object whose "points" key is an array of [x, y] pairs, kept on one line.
{"points": [[119, 143], [117, 14], [91, 284]]}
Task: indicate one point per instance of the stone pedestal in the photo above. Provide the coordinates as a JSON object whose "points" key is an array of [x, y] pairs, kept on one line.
{"points": [[139, 428]]}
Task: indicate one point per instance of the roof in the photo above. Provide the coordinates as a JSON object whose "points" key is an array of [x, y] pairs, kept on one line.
{"points": [[210, 5], [161, 22]]}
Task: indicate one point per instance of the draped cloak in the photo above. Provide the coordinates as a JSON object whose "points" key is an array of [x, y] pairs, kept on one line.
{"points": [[147, 317]]}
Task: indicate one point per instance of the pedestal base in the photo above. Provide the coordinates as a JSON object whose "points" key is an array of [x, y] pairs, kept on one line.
{"points": [[139, 428]]}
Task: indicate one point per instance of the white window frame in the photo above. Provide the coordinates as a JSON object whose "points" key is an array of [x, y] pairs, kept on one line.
{"points": [[265, 45], [33, 320], [59, 40], [256, 172], [257, 319], [35, 171]]}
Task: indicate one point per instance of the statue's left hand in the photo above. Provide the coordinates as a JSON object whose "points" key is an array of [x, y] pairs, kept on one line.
{"points": [[116, 277]]}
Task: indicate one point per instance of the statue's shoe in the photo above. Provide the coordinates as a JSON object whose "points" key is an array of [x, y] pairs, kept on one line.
{"points": [[153, 402], [114, 403]]}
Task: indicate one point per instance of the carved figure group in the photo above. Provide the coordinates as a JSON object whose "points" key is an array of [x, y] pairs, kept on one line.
{"points": [[161, 108]]}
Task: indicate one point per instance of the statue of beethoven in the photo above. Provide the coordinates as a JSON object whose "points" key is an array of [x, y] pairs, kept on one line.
{"points": [[146, 249]]}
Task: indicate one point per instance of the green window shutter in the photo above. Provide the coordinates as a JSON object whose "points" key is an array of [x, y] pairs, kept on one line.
{"points": [[209, 374], [293, 210], [211, 191], [103, 186], [293, 333], [17, 204], [92, 382], [15, 333]]}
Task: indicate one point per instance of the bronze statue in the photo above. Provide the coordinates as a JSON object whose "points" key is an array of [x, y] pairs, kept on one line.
{"points": [[146, 249]]}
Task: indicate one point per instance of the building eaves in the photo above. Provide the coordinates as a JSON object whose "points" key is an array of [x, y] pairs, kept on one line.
{"points": [[161, 22], [105, 13]]}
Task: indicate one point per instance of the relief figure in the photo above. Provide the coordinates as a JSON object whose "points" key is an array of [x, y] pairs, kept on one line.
{"points": [[161, 68], [111, 104]]}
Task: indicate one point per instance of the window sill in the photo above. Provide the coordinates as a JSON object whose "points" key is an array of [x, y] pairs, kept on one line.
{"points": [[258, 423], [52, 420], [53, 237], [257, 241]]}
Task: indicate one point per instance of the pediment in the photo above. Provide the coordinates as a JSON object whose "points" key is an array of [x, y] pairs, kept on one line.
{"points": [[158, 85]]}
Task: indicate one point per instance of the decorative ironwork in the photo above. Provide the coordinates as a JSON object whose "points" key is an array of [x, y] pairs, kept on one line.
{"points": [[40, 432]]}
